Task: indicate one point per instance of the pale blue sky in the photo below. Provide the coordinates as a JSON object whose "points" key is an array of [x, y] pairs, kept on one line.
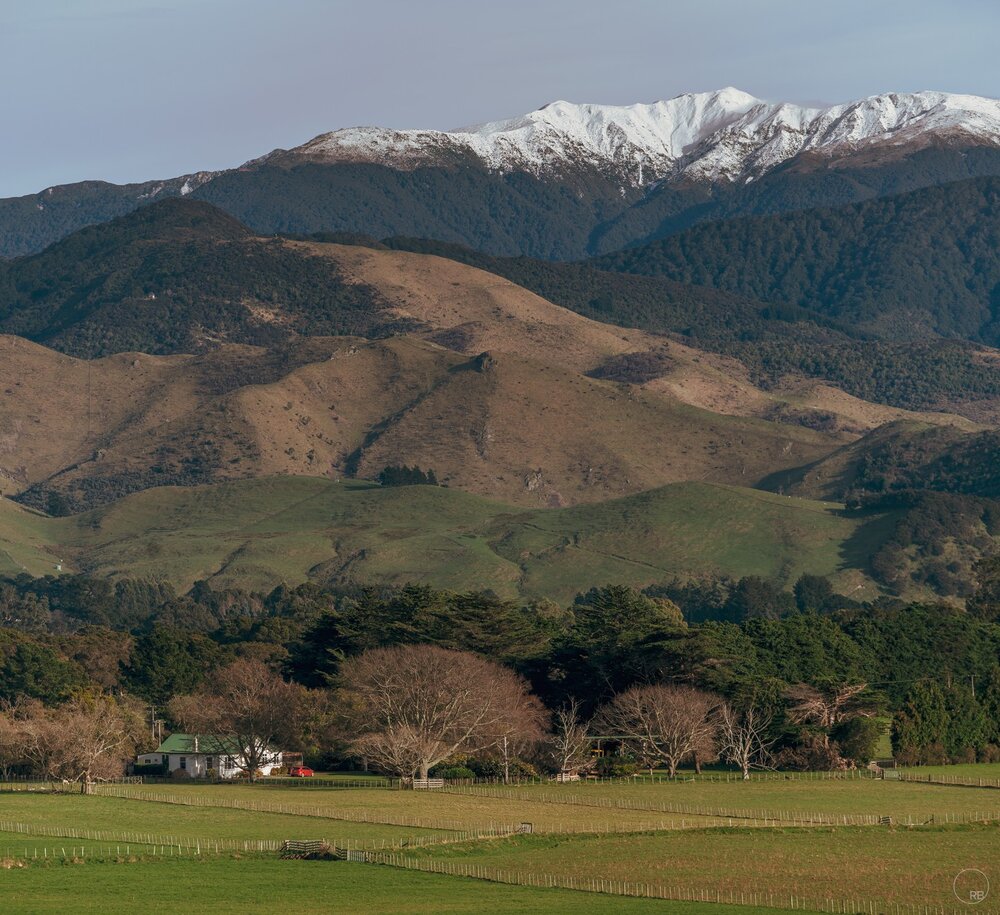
{"points": [[126, 90]]}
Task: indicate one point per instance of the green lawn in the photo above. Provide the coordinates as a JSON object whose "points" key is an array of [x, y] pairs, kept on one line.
{"points": [[254, 885]]}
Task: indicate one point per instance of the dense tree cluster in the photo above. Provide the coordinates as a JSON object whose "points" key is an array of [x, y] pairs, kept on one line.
{"points": [[768, 668], [401, 475]]}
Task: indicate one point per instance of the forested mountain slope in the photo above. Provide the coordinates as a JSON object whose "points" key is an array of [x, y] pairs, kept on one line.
{"points": [[908, 267]]}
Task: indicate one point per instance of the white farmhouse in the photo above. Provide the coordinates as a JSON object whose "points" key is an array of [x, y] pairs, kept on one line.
{"points": [[196, 754]]}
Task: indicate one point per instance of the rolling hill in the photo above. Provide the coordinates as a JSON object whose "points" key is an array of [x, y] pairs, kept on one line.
{"points": [[500, 391], [75, 433], [259, 533]]}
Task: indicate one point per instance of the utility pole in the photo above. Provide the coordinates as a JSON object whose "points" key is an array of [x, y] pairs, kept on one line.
{"points": [[972, 677], [152, 722]]}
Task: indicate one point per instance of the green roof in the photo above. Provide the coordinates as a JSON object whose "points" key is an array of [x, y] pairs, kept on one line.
{"points": [[210, 744]]}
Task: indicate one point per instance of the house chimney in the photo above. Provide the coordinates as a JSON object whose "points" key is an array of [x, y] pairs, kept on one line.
{"points": [[196, 743]]}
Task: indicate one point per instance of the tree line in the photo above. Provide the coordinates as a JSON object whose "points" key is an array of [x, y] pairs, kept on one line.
{"points": [[609, 663]]}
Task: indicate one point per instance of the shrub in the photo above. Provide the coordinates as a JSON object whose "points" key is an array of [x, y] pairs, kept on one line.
{"points": [[990, 753], [616, 767], [492, 767], [813, 754], [452, 772], [406, 476], [857, 739], [965, 755]]}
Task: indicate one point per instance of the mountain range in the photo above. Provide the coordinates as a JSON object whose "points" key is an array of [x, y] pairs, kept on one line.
{"points": [[567, 180], [786, 313]]}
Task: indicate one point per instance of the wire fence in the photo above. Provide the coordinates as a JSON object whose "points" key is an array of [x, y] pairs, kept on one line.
{"points": [[22, 783], [792, 901], [143, 841], [709, 816], [351, 816], [955, 781], [756, 816]]}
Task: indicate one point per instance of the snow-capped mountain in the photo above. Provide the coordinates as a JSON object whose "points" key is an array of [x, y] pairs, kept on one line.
{"points": [[567, 181], [726, 135]]}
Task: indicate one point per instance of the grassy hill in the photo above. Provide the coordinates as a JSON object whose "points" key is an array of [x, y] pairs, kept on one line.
{"points": [[258, 533], [75, 434], [769, 292]]}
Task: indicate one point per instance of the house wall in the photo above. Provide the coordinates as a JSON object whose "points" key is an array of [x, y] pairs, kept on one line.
{"points": [[196, 764]]}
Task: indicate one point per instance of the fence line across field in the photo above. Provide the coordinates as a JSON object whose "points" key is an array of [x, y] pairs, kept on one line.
{"points": [[26, 783], [207, 846], [650, 890], [954, 781], [717, 816], [776, 817]]}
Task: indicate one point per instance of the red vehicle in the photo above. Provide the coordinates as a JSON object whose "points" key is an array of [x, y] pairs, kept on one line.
{"points": [[300, 772]]}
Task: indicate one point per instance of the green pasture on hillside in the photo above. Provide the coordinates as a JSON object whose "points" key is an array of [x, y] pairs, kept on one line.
{"points": [[258, 533]]}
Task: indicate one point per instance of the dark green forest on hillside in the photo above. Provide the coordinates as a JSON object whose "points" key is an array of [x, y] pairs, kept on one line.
{"points": [[903, 267], [179, 275], [174, 277]]}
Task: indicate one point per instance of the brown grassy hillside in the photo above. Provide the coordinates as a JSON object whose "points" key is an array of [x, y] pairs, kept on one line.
{"points": [[471, 310], [501, 392], [503, 425]]}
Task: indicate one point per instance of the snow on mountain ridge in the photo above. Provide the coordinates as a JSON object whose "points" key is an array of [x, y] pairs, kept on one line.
{"points": [[723, 135]]}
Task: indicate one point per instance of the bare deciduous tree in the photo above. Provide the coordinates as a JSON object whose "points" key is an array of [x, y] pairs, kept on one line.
{"points": [[743, 737], [85, 739], [661, 724], [570, 745], [828, 707], [522, 729], [249, 705], [410, 707]]}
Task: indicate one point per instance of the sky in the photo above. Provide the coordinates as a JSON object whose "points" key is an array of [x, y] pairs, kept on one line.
{"points": [[129, 90]]}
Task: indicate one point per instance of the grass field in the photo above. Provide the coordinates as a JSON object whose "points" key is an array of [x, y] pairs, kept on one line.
{"points": [[843, 863], [122, 816], [576, 807], [446, 812], [861, 797], [907, 865], [306, 888], [962, 770], [258, 533]]}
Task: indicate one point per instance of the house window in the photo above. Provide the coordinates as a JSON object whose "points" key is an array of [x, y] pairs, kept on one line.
{"points": [[230, 762], [209, 764], [184, 762]]}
